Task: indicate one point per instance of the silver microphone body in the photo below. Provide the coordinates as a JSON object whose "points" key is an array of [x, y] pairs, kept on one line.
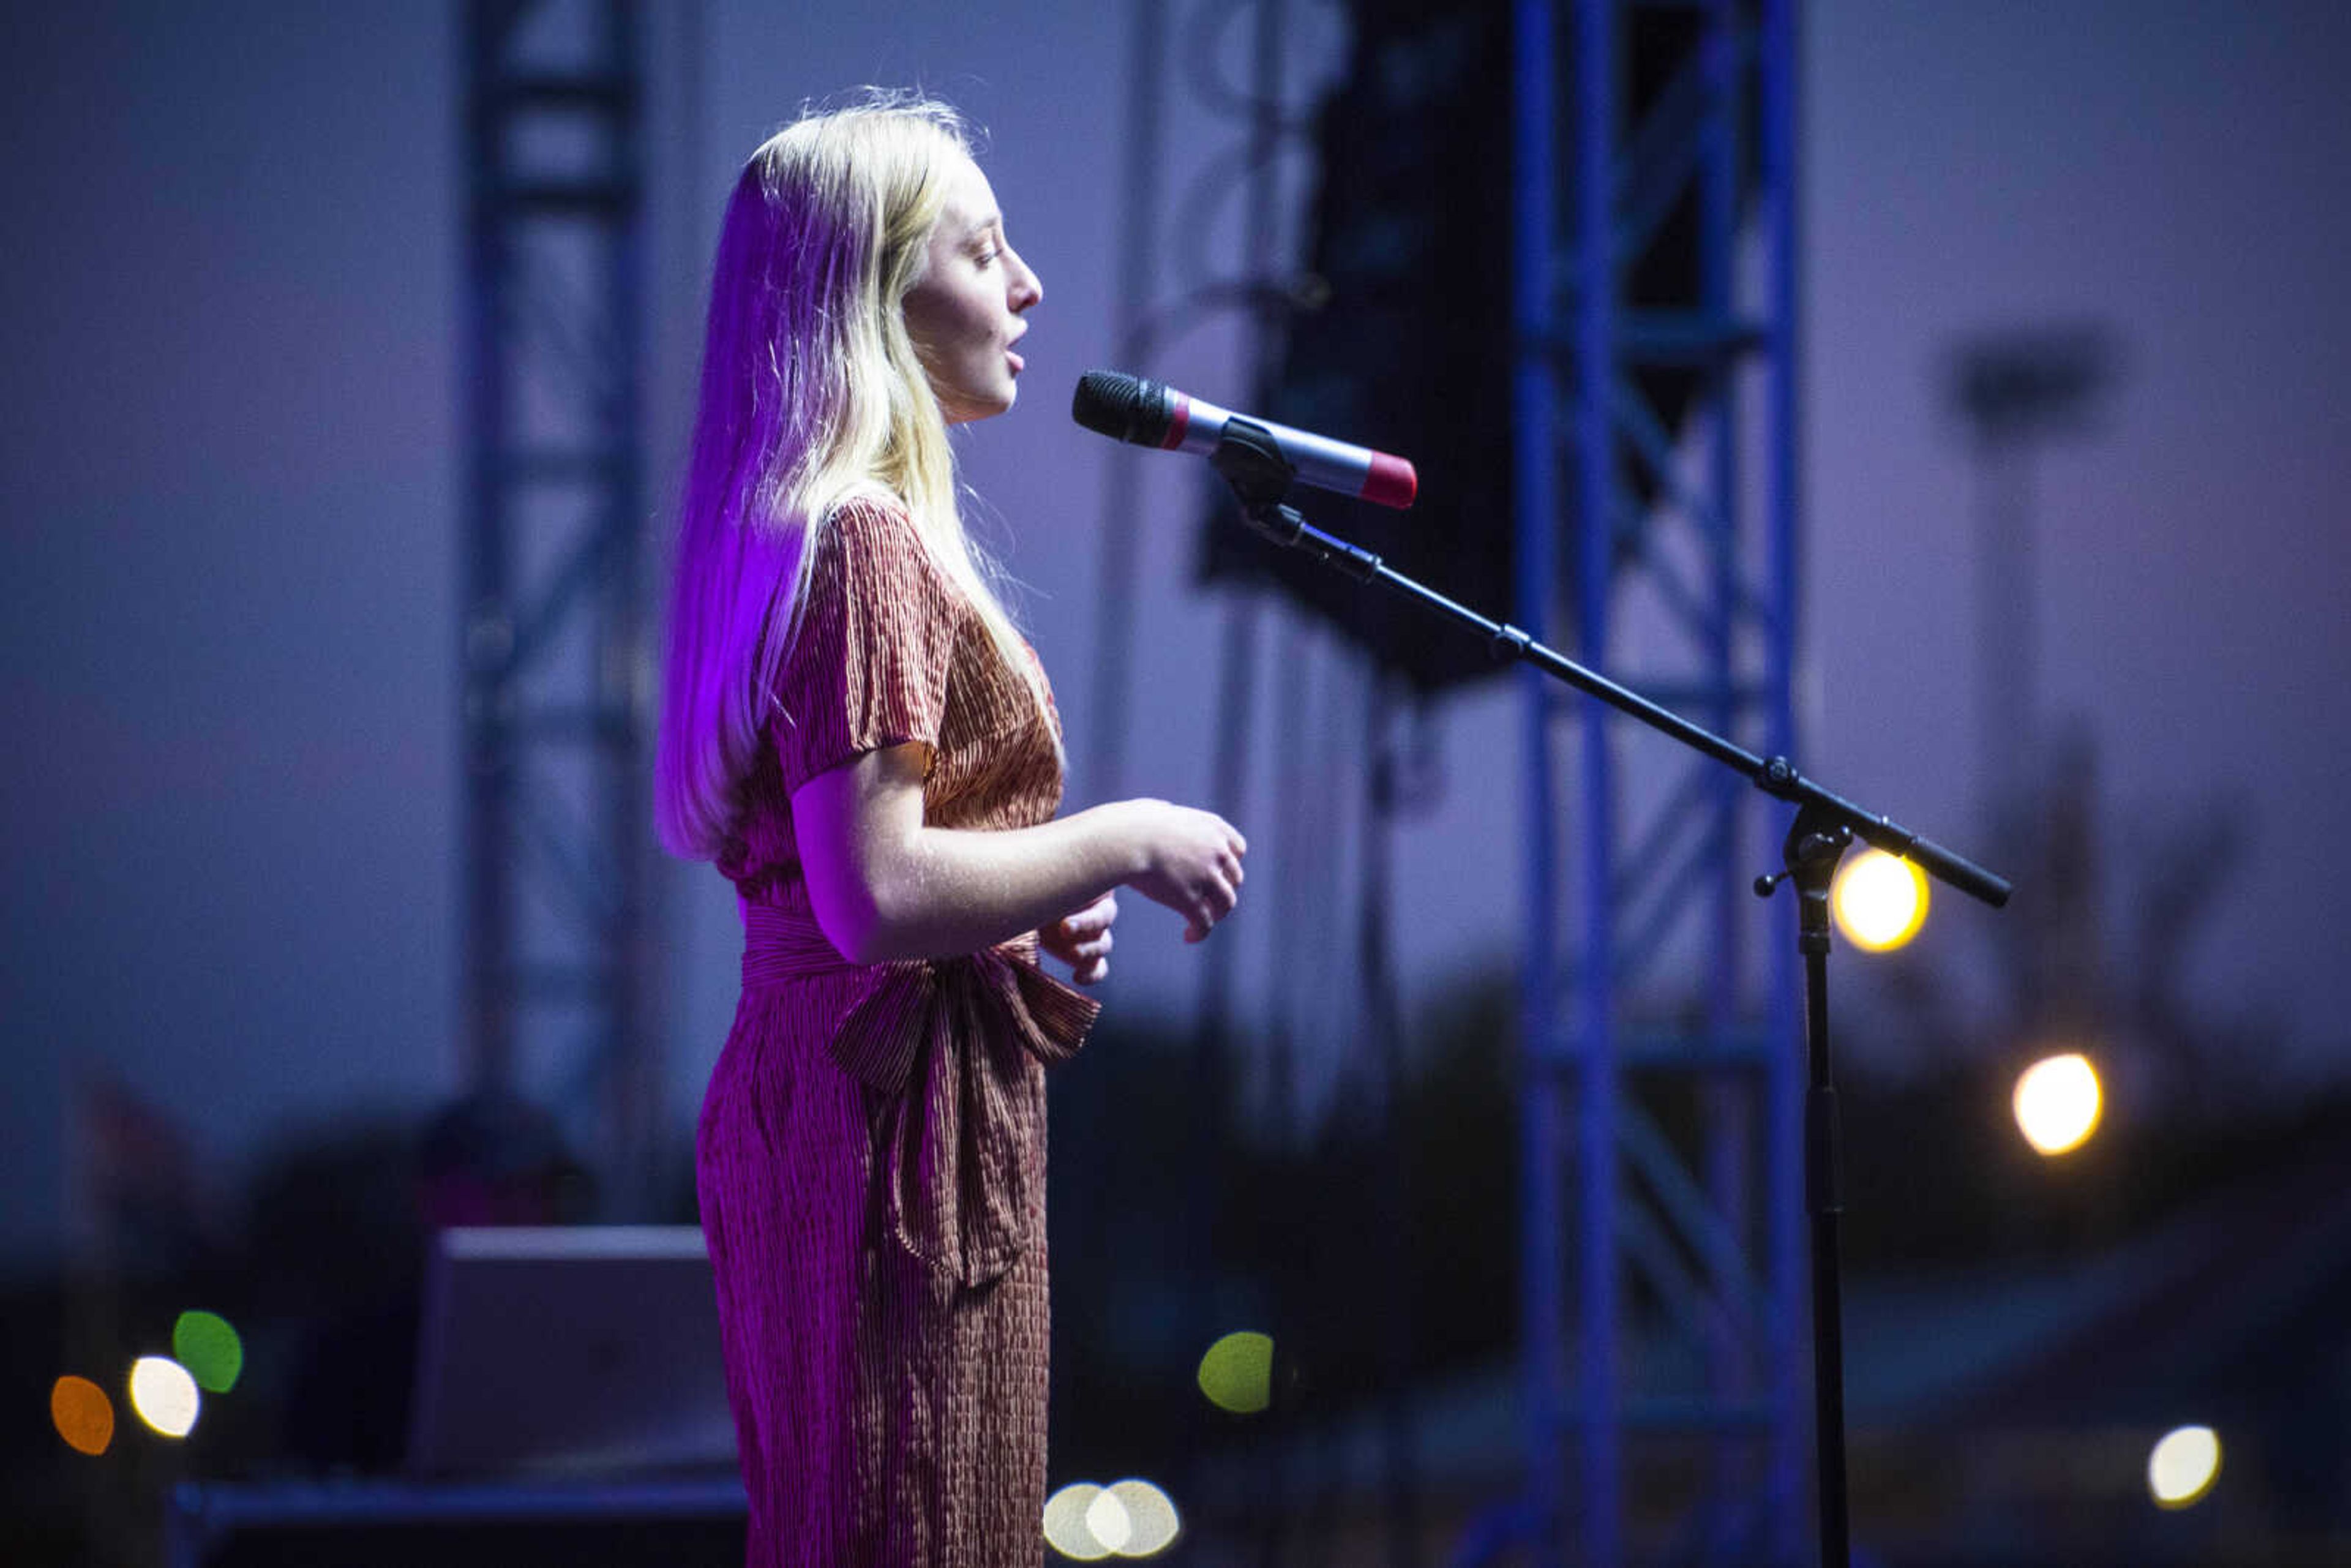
{"points": [[1153, 413]]}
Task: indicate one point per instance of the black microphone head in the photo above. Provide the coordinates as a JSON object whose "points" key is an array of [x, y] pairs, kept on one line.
{"points": [[1123, 407]]}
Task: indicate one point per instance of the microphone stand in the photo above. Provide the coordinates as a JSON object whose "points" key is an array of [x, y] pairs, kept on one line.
{"points": [[1250, 462]]}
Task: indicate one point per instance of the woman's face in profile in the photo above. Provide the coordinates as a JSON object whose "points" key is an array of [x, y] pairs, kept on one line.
{"points": [[965, 314]]}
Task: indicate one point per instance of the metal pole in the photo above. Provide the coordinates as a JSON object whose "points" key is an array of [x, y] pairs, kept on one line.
{"points": [[487, 635], [1784, 1181], [1534, 399], [1730, 1105], [1599, 1399]]}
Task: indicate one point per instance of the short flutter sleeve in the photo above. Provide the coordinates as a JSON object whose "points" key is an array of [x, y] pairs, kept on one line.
{"points": [[868, 663]]}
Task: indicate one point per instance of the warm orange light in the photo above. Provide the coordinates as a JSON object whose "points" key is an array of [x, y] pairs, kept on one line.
{"points": [[83, 1414]]}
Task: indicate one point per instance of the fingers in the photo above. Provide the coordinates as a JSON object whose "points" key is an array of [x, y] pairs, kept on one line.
{"points": [[1195, 865], [1093, 920], [1212, 901], [1222, 893], [1083, 940]]}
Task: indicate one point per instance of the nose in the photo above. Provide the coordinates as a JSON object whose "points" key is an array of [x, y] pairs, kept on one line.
{"points": [[1027, 289]]}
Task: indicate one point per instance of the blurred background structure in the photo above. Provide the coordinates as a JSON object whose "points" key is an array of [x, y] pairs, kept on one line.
{"points": [[558, 938], [350, 357]]}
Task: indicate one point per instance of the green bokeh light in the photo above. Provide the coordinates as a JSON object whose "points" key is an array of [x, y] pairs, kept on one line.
{"points": [[209, 1349], [1236, 1375]]}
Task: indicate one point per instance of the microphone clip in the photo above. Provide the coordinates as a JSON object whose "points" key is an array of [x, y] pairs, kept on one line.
{"points": [[1250, 461]]}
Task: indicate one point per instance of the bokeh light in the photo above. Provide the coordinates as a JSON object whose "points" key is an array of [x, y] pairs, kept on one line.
{"points": [[209, 1348], [2183, 1467], [1879, 901], [1128, 1519], [2058, 1102], [164, 1395], [1236, 1375], [83, 1414], [1107, 1522], [1152, 1521], [1066, 1531]]}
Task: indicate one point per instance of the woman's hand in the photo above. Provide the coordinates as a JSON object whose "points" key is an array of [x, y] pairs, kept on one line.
{"points": [[1083, 940], [1191, 863]]}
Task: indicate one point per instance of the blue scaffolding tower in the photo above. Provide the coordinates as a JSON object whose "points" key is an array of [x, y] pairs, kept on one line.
{"points": [[556, 670], [1664, 1362]]}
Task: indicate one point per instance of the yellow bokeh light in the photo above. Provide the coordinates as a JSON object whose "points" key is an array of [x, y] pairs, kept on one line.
{"points": [[2058, 1102], [83, 1414], [1879, 901], [1236, 1375], [2184, 1465], [1152, 1521], [1066, 1531], [164, 1395]]}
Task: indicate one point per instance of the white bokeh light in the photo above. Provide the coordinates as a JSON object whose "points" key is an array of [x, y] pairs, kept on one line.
{"points": [[1152, 1520], [2058, 1102], [1107, 1522], [1066, 1531], [1128, 1519], [164, 1395], [2184, 1465]]}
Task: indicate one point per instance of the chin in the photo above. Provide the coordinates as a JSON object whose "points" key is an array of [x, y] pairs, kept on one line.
{"points": [[968, 406]]}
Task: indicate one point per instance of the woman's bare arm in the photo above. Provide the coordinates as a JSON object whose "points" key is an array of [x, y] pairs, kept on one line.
{"points": [[885, 885]]}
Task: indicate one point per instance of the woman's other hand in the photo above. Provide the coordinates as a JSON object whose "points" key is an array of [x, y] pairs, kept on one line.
{"points": [[1191, 863], [1083, 940]]}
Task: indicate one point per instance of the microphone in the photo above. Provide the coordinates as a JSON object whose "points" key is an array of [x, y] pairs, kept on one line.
{"points": [[1153, 413]]}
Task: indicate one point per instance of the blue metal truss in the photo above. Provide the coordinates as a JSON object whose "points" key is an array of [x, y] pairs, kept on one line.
{"points": [[1664, 1373], [554, 659]]}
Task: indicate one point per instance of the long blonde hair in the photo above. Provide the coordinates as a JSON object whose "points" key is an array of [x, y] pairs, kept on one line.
{"points": [[811, 396]]}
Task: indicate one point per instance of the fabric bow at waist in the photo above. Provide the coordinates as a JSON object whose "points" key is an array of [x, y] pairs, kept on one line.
{"points": [[950, 1048]]}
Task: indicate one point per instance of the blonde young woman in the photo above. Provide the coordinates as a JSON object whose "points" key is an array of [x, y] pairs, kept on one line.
{"points": [[860, 740]]}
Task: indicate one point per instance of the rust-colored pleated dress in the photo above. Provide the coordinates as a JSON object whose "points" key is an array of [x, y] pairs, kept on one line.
{"points": [[871, 1155]]}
